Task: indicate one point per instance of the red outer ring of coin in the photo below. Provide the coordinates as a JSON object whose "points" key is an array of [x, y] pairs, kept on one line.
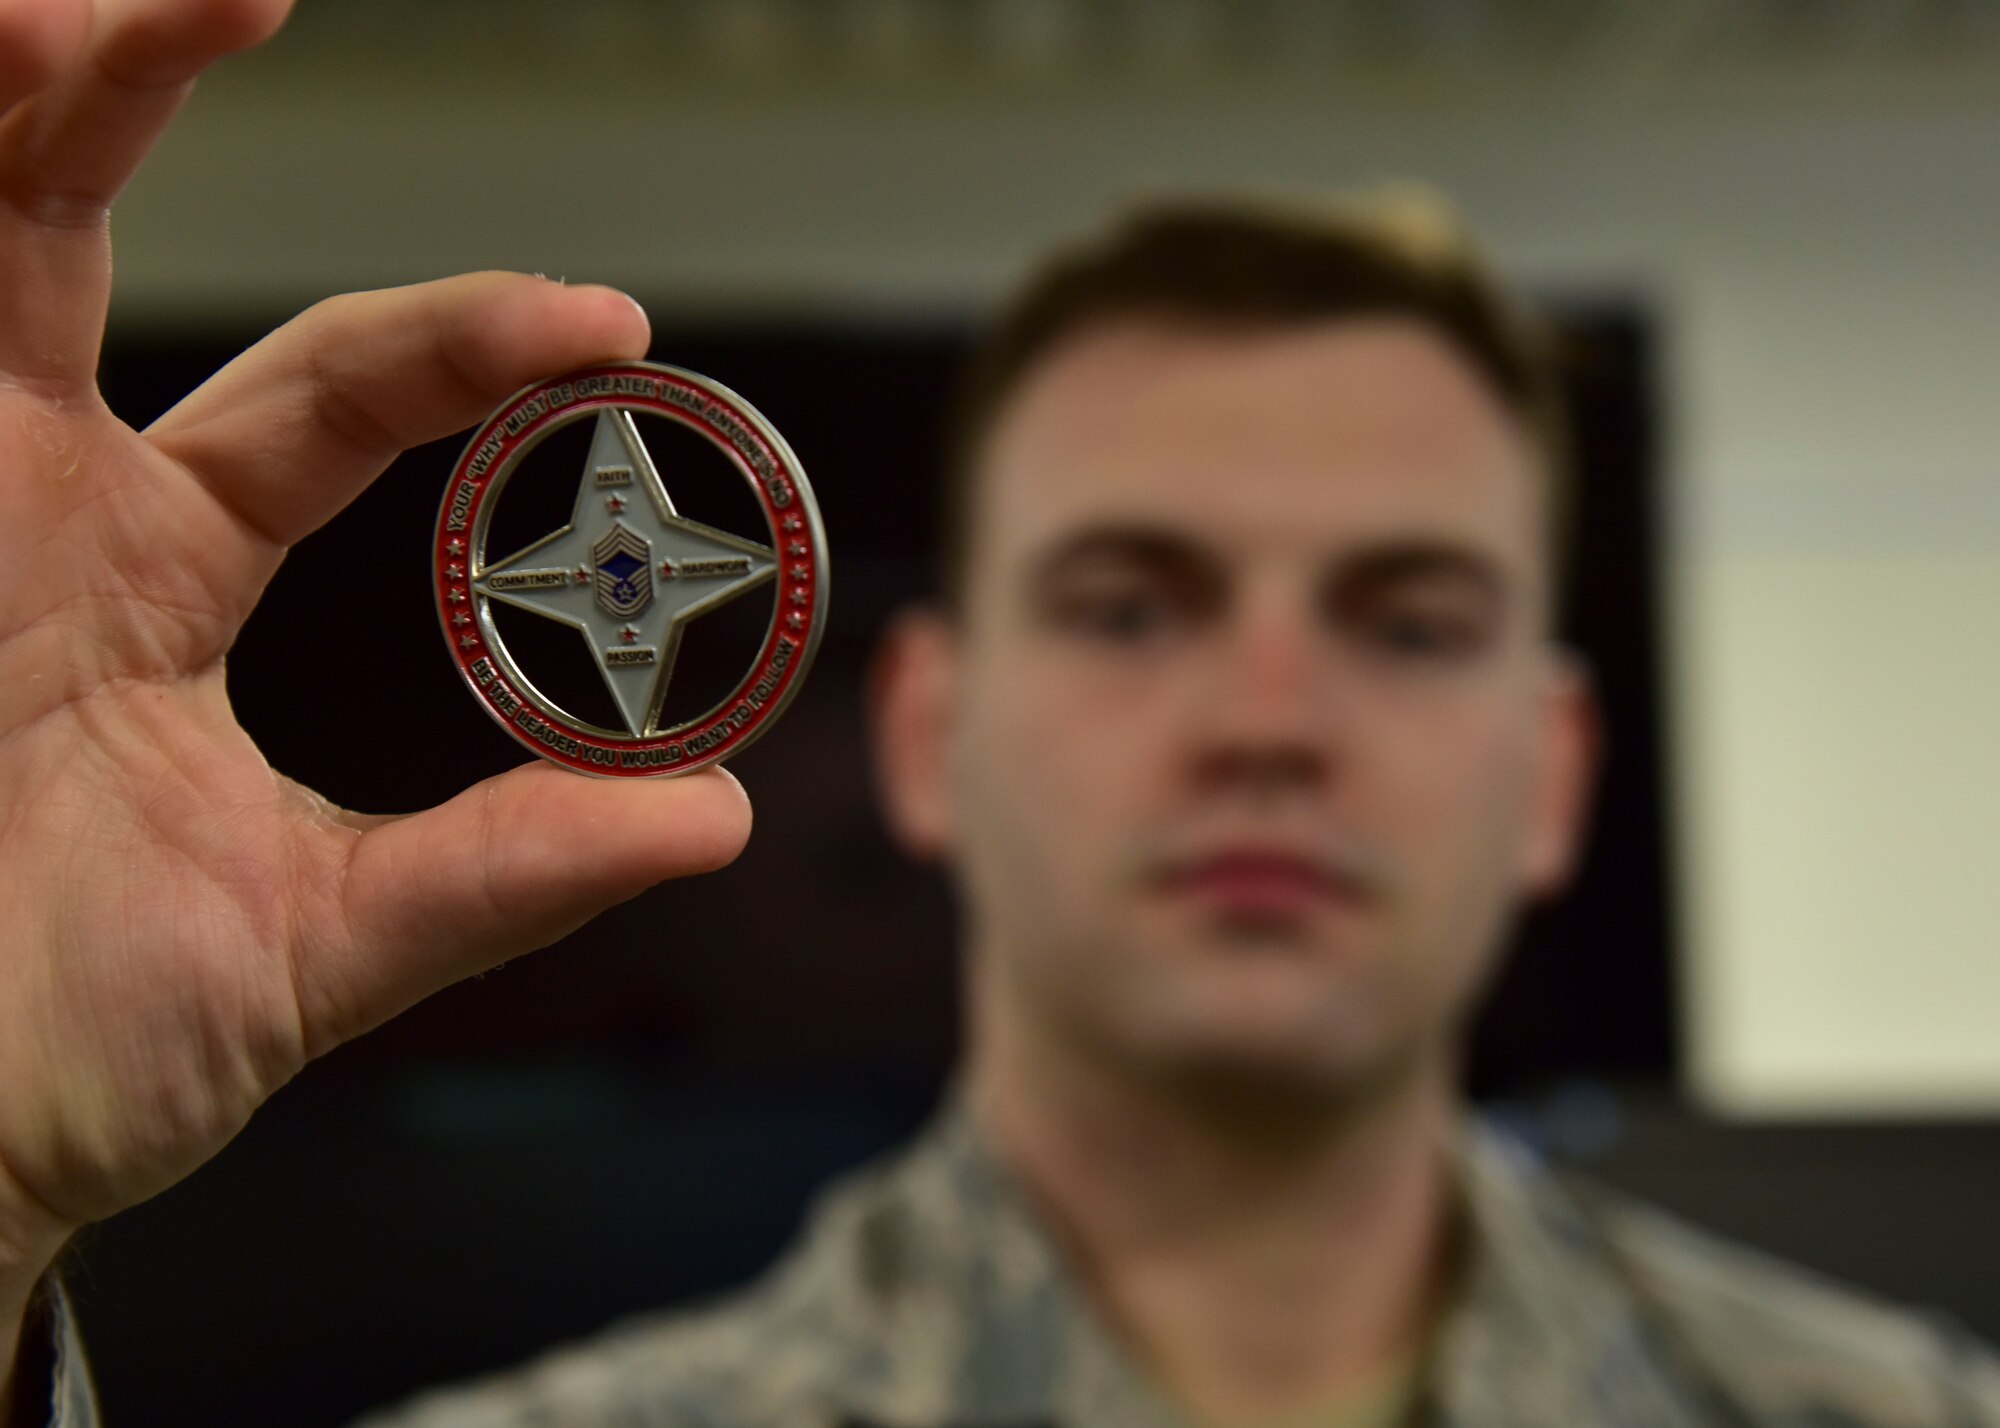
{"points": [[736, 719]]}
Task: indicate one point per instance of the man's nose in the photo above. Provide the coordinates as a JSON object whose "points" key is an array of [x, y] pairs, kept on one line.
{"points": [[1269, 721]]}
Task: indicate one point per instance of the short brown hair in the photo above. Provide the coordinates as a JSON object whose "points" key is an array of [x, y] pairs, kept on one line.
{"points": [[1234, 264]]}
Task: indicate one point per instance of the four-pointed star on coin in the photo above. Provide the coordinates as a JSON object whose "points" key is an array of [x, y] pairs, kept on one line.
{"points": [[628, 572]]}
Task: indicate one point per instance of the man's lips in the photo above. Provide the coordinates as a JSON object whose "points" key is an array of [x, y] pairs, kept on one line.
{"points": [[1267, 882]]}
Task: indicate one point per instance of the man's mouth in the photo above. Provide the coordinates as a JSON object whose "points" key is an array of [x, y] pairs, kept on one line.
{"points": [[1261, 883]]}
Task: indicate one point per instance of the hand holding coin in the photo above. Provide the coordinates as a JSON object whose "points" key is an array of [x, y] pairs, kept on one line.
{"points": [[181, 927]]}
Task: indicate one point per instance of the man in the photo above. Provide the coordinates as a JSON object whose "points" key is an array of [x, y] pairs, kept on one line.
{"points": [[1241, 725]]}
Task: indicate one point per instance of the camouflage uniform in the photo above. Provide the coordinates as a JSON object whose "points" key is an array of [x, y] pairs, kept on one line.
{"points": [[924, 1294]]}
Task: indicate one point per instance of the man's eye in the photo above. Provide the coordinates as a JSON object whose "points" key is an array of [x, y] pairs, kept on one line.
{"points": [[1424, 634], [1121, 617]]}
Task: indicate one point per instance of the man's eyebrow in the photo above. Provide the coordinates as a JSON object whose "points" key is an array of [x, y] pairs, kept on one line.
{"points": [[1384, 564], [1370, 569], [1151, 547]]}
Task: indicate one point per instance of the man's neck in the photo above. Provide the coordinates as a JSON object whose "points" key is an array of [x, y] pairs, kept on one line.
{"points": [[1255, 1273]]}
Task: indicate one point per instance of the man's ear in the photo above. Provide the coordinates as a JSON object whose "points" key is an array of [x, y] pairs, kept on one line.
{"points": [[912, 704], [1570, 744]]}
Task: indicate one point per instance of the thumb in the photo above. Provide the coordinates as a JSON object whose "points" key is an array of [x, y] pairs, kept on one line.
{"points": [[507, 866]]}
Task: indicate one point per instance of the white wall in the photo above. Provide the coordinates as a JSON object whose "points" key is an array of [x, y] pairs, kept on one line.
{"points": [[1828, 277]]}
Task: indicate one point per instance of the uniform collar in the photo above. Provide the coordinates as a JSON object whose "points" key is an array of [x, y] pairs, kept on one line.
{"points": [[974, 1320], [964, 1314], [1545, 1325]]}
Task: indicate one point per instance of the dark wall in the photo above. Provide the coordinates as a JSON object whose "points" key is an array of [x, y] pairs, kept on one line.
{"points": [[638, 1115], [710, 972]]}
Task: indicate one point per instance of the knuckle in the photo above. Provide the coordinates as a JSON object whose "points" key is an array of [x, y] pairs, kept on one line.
{"points": [[60, 211], [329, 314]]}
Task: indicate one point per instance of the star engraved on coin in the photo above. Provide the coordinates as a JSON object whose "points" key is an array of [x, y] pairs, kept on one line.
{"points": [[628, 574]]}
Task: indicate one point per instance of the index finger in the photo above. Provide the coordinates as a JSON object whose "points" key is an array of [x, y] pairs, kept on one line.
{"points": [[290, 432], [89, 115]]}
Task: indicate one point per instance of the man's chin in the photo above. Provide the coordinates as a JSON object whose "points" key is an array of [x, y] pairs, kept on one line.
{"points": [[1265, 1062], [1279, 1097], [1284, 997]]}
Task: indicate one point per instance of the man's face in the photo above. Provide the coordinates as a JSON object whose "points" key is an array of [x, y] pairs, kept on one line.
{"points": [[1248, 737]]}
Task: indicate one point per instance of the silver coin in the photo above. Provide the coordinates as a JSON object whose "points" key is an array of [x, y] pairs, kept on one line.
{"points": [[629, 572]]}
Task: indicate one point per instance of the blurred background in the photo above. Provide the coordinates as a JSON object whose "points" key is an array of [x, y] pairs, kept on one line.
{"points": [[1768, 228]]}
